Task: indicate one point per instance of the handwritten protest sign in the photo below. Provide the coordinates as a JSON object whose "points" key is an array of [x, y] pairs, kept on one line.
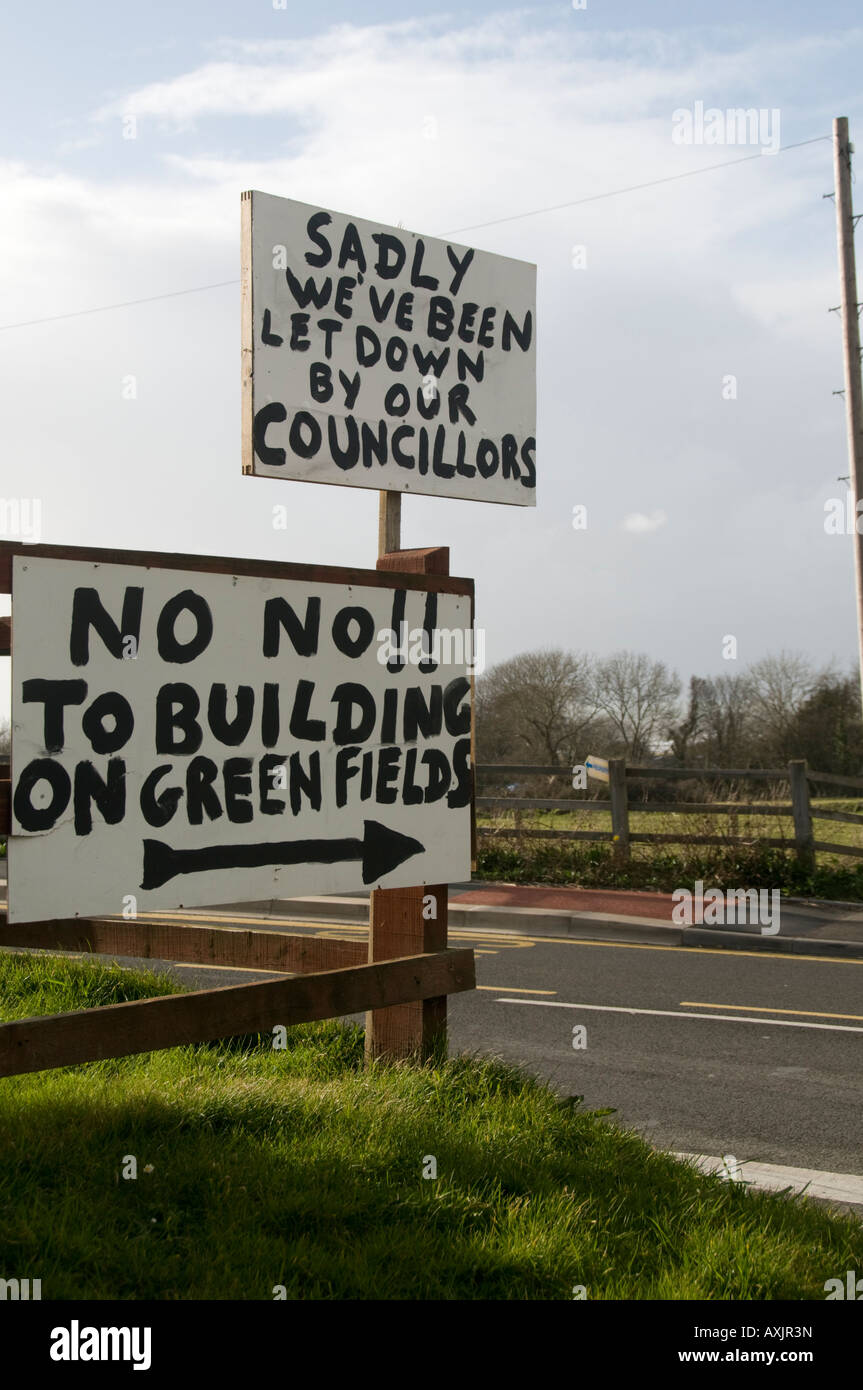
{"points": [[186, 738], [378, 358]]}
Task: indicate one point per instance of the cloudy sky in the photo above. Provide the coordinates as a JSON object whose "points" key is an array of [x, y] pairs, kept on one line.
{"points": [[505, 126]]}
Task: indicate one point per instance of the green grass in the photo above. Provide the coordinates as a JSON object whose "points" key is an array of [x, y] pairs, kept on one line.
{"points": [[301, 1168], [662, 868]]}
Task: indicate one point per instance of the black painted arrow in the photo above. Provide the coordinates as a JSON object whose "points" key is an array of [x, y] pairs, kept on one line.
{"points": [[381, 850]]}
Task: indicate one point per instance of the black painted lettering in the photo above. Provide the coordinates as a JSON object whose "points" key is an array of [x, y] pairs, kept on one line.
{"points": [[399, 456], [368, 346], [320, 381], [423, 713], [345, 770], [391, 255], [347, 697], [348, 455], [348, 645], [159, 810], [55, 695], [509, 452], [374, 446], [270, 805], [460, 794], [440, 318], [456, 716], [302, 782], [527, 452], [301, 725], [170, 648], [460, 266], [201, 796], [183, 719], [112, 706], [279, 615], [386, 793], [269, 454], [405, 312], [309, 293], [237, 774], [440, 774], [34, 818], [299, 335], [325, 255], [231, 732], [329, 327], [267, 335], [88, 611], [109, 794], [352, 249], [418, 280], [511, 330]]}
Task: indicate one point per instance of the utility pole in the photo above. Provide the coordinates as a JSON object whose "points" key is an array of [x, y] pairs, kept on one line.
{"points": [[842, 151]]}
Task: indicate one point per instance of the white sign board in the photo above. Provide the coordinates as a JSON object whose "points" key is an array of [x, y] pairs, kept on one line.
{"points": [[378, 358], [184, 738], [597, 768]]}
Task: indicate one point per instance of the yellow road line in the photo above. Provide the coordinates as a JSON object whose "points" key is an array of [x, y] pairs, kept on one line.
{"points": [[527, 941], [763, 1009], [251, 969], [505, 989], [196, 919], [694, 951], [332, 929]]}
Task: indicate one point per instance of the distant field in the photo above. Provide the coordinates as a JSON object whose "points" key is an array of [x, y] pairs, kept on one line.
{"points": [[742, 861], [751, 827]]}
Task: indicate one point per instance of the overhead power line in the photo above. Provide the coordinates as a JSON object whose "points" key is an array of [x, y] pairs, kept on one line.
{"points": [[124, 304], [473, 227], [631, 188]]}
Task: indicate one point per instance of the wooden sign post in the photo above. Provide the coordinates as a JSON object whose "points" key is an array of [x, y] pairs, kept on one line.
{"points": [[406, 921], [373, 357]]}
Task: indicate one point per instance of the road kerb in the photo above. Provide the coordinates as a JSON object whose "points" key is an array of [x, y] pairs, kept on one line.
{"points": [[591, 926]]}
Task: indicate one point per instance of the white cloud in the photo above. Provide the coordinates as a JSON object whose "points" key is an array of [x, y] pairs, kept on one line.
{"points": [[639, 524]]}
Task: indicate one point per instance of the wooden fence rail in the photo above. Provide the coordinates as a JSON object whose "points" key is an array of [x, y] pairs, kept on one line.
{"points": [[799, 809], [146, 1025]]}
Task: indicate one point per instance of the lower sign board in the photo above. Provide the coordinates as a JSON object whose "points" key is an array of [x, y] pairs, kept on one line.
{"points": [[189, 738]]}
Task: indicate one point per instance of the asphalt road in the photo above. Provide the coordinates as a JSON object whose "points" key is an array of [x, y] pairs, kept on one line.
{"points": [[744, 1084], [754, 1054]]}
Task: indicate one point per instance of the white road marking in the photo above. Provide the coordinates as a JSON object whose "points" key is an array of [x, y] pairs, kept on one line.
{"points": [[678, 1013]]}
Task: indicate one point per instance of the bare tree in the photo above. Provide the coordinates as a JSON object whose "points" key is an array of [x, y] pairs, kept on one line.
{"points": [[536, 706], [640, 699], [779, 686], [726, 727]]}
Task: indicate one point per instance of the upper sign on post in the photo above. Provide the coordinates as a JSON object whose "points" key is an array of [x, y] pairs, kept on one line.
{"points": [[378, 358]]}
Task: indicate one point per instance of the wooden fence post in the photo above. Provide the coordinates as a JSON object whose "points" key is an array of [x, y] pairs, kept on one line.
{"points": [[619, 807], [408, 921], [804, 837]]}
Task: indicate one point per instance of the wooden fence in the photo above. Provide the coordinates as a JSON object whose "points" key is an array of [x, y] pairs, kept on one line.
{"points": [[797, 775]]}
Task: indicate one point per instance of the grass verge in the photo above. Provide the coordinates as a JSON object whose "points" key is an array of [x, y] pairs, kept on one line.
{"points": [[300, 1168]]}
